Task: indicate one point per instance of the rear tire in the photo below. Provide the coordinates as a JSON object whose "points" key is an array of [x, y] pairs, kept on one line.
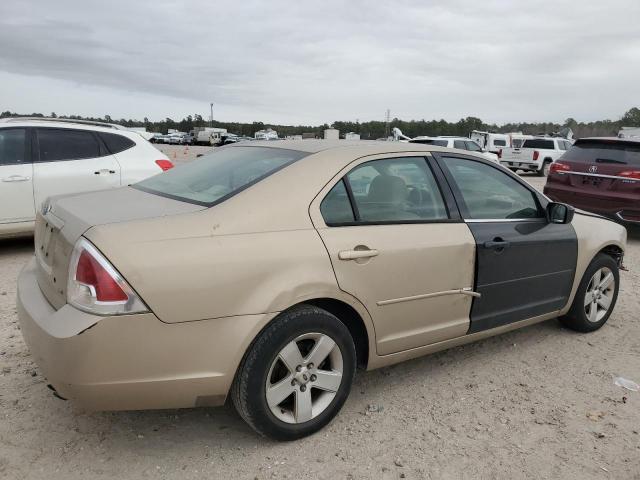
{"points": [[544, 169], [297, 374], [596, 296]]}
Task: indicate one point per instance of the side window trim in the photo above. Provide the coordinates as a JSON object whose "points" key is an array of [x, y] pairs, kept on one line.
{"points": [[464, 211], [451, 207], [352, 200]]}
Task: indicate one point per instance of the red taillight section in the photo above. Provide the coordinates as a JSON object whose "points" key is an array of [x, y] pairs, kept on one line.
{"points": [[164, 164], [89, 272], [556, 167], [500, 153], [635, 174], [536, 154]]}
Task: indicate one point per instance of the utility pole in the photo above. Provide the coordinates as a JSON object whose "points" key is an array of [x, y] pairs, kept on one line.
{"points": [[211, 117], [387, 119]]}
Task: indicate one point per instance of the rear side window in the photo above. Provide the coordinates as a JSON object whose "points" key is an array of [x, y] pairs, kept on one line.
{"points": [[61, 144], [459, 144], [219, 175], [429, 141], [396, 190], [116, 143], [336, 206], [12, 146], [538, 143], [594, 151], [499, 142]]}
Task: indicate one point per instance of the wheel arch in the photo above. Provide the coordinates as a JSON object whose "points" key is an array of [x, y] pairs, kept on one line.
{"points": [[352, 320]]}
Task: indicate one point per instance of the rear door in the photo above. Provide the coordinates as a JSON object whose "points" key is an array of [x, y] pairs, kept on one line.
{"points": [[69, 161], [16, 176], [524, 264], [398, 245]]}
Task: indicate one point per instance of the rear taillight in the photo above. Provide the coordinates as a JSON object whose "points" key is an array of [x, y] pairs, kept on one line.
{"points": [[557, 167], [500, 153], [164, 164], [635, 174], [536, 154], [95, 286]]}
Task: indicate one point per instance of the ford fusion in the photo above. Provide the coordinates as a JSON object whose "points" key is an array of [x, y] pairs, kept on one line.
{"points": [[267, 275]]}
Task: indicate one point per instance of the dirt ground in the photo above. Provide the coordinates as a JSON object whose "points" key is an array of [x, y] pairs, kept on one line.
{"points": [[536, 403]]}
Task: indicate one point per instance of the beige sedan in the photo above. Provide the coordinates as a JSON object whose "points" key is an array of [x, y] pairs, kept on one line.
{"points": [[269, 272]]}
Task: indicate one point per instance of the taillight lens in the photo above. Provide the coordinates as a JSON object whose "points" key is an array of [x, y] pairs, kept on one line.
{"points": [[635, 174], [536, 154], [95, 286], [556, 167], [164, 164]]}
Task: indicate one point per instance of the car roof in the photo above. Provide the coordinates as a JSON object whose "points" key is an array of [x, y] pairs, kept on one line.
{"points": [[61, 123], [354, 148], [610, 139]]}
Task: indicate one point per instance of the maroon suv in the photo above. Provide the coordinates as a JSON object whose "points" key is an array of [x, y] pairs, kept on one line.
{"points": [[600, 175]]}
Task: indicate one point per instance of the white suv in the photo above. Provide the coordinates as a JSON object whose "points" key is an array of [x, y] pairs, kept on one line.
{"points": [[461, 143], [43, 157]]}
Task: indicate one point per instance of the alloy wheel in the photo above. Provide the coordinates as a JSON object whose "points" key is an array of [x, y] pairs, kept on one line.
{"points": [[304, 378], [599, 294]]}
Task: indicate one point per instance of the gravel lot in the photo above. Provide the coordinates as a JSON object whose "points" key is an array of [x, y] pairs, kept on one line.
{"points": [[535, 403]]}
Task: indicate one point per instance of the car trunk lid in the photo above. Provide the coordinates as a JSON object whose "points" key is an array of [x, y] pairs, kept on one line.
{"points": [[64, 219]]}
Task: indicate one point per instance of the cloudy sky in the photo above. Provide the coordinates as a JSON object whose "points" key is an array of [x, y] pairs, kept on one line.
{"points": [[314, 62]]}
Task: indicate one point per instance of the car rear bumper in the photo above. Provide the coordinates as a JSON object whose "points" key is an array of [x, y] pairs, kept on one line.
{"points": [[625, 209], [130, 362], [519, 165]]}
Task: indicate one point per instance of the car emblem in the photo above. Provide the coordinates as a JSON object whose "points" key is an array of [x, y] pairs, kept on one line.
{"points": [[593, 168]]}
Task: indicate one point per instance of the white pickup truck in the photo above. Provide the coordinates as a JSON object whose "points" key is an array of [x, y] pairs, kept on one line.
{"points": [[535, 154]]}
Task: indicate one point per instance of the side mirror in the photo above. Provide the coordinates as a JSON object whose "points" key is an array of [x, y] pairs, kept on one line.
{"points": [[560, 213]]}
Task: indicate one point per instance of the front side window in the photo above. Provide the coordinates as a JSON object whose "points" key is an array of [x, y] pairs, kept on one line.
{"points": [[461, 144], [12, 146], [489, 193], [473, 146], [66, 144], [217, 176], [396, 190]]}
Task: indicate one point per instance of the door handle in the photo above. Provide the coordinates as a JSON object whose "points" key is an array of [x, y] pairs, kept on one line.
{"points": [[16, 178], [497, 244], [104, 170], [356, 254]]}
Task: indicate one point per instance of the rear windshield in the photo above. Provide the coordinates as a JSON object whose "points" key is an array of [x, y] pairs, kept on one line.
{"points": [[429, 141], [538, 143], [215, 177], [590, 151]]}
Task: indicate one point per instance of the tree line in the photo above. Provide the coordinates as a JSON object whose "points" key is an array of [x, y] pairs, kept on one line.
{"points": [[373, 129]]}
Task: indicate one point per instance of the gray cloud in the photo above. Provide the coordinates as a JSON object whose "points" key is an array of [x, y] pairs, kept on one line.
{"points": [[296, 62]]}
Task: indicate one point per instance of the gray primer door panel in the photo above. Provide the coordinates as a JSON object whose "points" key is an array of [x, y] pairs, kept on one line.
{"points": [[529, 274]]}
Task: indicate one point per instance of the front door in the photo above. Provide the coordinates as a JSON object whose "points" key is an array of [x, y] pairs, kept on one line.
{"points": [[71, 161], [525, 265], [16, 177], [398, 247]]}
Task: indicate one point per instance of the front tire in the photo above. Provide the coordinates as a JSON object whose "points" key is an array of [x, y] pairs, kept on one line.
{"points": [[297, 374], [596, 296]]}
